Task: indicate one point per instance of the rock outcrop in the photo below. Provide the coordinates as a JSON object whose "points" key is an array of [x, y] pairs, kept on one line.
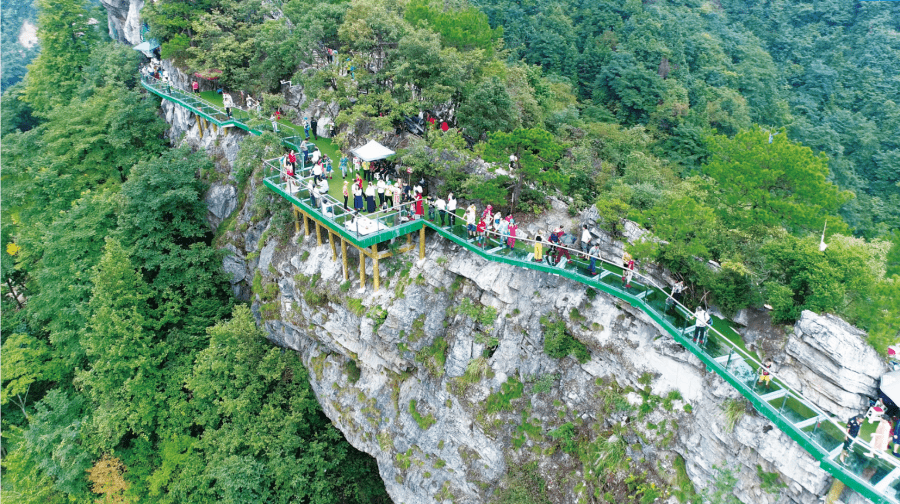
{"points": [[124, 20], [832, 365]]}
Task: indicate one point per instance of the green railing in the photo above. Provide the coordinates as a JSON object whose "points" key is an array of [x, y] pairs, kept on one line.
{"points": [[876, 478]]}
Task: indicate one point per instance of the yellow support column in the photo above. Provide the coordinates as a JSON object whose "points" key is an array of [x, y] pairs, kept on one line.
{"points": [[199, 124], [375, 265], [362, 269], [305, 224], [214, 128], [318, 234], [344, 259], [296, 219], [422, 242], [333, 246]]}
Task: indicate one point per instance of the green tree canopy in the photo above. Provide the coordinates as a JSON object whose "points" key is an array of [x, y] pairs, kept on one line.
{"points": [[762, 184]]}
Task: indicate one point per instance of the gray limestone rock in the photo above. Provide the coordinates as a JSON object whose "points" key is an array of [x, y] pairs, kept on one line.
{"points": [[832, 365], [221, 200]]}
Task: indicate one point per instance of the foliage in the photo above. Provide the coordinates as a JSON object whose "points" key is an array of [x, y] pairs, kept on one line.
{"points": [[523, 484], [434, 356], [66, 38], [734, 409], [722, 489], [425, 421], [501, 400], [772, 184], [537, 152], [559, 344], [566, 437], [770, 481]]}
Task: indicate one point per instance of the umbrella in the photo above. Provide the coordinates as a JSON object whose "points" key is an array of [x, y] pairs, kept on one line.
{"points": [[890, 386], [211, 74]]}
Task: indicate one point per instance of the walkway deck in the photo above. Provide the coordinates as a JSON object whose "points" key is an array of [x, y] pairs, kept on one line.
{"points": [[876, 478]]}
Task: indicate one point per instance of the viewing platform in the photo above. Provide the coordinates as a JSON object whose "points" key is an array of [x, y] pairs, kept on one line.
{"points": [[820, 434]]}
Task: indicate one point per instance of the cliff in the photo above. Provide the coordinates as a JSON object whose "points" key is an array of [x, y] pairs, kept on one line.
{"points": [[444, 376]]}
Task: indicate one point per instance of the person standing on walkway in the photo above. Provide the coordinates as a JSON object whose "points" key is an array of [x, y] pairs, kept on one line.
{"points": [[429, 200], [880, 439], [398, 193], [306, 127], [228, 103], [196, 87], [451, 209], [765, 375], [314, 125], [370, 197], [442, 209], [628, 272], [513, 229], [538, 249], [701, 325], [346, 192], [480, 231], [502, 228], [593, 253], [585, 238], [420, 208], [677, 292], [343, 166], [382, 185], [357, 197], [292, 159], [853, 426], [312, 193], [469, 216]]}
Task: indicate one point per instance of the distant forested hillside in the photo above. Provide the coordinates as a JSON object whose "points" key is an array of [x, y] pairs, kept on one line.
{"points": [[827, 71]]}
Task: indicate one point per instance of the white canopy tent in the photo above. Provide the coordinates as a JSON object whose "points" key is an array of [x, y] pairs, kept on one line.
{"points": [[372, 151]]}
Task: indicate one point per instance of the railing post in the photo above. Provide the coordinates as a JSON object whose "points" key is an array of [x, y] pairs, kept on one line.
{"points": [[375, 265], [422, 242], [333, 246], [728, 362], [362, 269], [344, 259]]}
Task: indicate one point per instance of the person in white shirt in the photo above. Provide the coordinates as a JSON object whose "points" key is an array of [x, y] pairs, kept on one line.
{"points": [[317, 171], [442, 209], [382, 185], [585, 239], [702, 324], [451, 209]]}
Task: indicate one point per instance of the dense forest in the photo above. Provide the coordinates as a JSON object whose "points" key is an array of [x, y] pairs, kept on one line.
{"points": [[129, 373], [735, 131]]}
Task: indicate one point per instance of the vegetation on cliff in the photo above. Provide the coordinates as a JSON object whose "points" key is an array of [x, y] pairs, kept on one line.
{"points": [[129, 374]]}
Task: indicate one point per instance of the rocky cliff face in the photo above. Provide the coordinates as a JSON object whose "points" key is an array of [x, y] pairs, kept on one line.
{"points": [[443, 377], [124, 20]]}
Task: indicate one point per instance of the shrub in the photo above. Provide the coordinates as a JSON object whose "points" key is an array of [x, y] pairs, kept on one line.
{"points": [[558, 344], [424, 421]]}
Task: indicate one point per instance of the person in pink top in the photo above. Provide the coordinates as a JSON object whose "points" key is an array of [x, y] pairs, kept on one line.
{"points": [[513, 227]]}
